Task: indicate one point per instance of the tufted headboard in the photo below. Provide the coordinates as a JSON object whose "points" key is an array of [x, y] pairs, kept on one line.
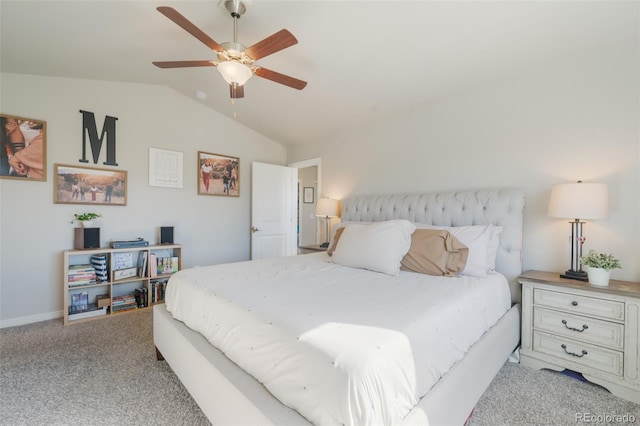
{"points": [[501, 207]]}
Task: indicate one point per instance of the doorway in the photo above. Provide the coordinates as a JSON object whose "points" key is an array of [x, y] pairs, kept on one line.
{"points": [[309, 191]]}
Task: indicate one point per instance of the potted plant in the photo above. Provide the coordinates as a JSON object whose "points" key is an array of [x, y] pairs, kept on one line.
{"points": [[599, 266], [86, 219]]}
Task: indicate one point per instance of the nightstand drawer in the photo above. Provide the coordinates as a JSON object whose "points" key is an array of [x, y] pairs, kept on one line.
{"points": [[601, 308], [578, 353], [578, 327]]}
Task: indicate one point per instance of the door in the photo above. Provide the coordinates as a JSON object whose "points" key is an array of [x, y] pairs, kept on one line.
{"points": [[273, 210]]}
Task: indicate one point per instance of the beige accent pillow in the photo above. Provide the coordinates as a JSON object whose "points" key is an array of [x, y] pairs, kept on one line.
{"points": [[334, 243], [435, 252]]}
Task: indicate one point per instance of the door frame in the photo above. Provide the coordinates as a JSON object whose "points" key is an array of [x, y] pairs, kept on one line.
{"points": [[310, 163]]}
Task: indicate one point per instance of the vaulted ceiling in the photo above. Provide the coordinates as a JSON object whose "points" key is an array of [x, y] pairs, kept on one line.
{"points": [[363, 60]]}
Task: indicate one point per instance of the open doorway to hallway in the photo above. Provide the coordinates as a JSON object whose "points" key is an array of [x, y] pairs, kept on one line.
{"points": [[309, 192]]}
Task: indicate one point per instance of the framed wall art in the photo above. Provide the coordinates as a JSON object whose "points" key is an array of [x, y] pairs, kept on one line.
{"points": [[307, 196], [218, 175], [165, 168], [23, 150], [86, 185]]}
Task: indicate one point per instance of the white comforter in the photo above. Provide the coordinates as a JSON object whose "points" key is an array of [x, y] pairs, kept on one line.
{"points": [[339, 345]]}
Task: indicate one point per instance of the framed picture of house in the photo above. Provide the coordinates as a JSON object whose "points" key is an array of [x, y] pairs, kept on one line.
{"points": [[23, 150], [86, 185], [218, 175]]}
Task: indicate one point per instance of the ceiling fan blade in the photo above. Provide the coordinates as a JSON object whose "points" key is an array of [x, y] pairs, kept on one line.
{"points": [[184, 64], [236, 91], [280, 78], [176, 17], [272, 44]]}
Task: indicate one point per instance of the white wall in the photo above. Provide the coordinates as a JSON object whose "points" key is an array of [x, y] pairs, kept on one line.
{"points": [[34, 231], [578, 119]]}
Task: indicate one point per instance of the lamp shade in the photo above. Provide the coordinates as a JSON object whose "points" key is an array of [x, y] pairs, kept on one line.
{"points": [[579, 201], [327, 207], [235, 72]]}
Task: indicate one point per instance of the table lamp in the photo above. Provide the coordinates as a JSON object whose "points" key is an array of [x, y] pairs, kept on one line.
{"points": [[327, 208], [578, 201]]}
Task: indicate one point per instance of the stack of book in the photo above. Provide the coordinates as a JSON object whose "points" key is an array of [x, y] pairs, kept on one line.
{"points": [[158, 288], [81, 275], [123, 303], [142, 297], [99, 262]]}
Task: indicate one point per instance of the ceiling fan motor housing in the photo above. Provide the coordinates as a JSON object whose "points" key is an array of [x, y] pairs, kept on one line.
{"points": [[236, 8]]}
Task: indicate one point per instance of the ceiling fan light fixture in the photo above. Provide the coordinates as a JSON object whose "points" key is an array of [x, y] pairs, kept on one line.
{"points": [[235, 72]]}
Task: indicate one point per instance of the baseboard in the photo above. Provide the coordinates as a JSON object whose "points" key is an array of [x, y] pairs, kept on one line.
{"points": [[30, 319]]}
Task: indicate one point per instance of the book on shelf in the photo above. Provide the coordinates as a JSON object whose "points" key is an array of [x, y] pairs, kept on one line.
{"points": [[158, 289], [142, 297], [91, 311], [124, 302], [167, 265], [82, 274], [99, 262], [142, 264], [79, 302], [153, 265]]}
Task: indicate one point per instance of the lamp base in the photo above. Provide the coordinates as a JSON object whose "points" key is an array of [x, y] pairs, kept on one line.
{"points": [[324, 245], [575, 275]]}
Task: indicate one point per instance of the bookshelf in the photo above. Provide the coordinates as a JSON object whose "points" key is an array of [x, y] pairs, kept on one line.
{"points": [[102, 282]]}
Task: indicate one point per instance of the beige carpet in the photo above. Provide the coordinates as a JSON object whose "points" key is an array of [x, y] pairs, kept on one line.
{"points": [[105, 373]]}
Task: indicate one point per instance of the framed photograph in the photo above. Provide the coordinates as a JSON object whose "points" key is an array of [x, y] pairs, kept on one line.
{"points": [[85, 185], [23, 154], [218, 175], [308, 195]]}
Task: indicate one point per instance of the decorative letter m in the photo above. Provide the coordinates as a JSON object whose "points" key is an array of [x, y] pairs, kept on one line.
{"points": [[89, 128]]}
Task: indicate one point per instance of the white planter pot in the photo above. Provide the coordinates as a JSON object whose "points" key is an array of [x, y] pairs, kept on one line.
{"points": [[598, 276], [87, 223]]}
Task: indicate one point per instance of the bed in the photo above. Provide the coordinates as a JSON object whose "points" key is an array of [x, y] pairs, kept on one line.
{"points": [[229, 395]]}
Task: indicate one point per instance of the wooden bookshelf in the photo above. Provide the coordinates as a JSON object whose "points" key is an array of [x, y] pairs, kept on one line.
{"points": [[132, 280]]}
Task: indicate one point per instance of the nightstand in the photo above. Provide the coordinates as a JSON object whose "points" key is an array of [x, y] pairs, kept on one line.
{"points": [[311, 249], [569, 324]]}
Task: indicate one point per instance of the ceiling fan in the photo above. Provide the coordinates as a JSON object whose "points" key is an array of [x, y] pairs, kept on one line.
{"points": [[235, 62]]}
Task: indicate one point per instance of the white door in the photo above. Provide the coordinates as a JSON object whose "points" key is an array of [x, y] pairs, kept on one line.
{"points": [[273, 211]]}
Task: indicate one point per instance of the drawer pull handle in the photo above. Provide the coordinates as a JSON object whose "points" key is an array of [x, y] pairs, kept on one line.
{"points": [[584, 327], [571, 353], [574, 303]]}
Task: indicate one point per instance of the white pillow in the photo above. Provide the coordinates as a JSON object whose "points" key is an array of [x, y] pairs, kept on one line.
{"points": [[483, 242], [379, 246]]}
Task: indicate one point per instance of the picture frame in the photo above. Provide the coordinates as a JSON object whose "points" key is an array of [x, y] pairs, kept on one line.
{"points": [[218, 175], [121, 274], [88, 185], [23, 148], [307, 196], [165, 168]]}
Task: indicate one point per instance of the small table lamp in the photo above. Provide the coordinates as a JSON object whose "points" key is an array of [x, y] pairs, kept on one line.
{"points": [[327, 208], [579, 201]]}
